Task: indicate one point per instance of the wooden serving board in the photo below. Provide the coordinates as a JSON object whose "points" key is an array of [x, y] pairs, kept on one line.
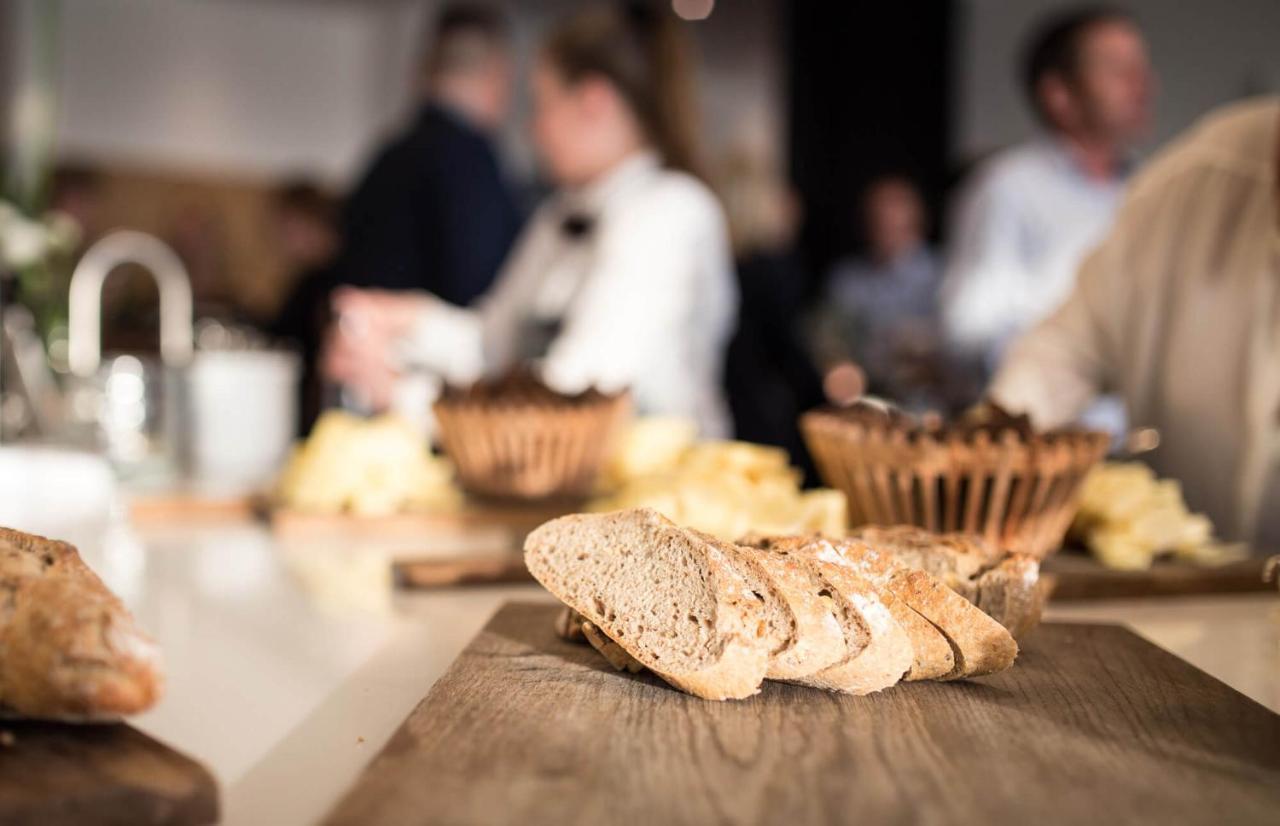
{"points": [[1093, 724], [1078, 576], [82, 775]]}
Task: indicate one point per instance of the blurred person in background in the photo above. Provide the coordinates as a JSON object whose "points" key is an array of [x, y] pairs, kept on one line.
{"points": [[304, 229], [622, 278], [433, 211], [876, 322], [1029, 214], [769, 380], [1178, 311]]}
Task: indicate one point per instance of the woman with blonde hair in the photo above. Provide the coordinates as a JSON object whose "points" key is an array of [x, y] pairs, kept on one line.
{"points": [[622, 278]]}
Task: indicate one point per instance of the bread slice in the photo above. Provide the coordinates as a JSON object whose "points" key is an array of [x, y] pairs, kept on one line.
{"points": [[1007, 587], [949, 557], [817, 640], [781, 631], [932, 656], [569, 625], [69, 649], [615, 654], [1013, 594], [670, 598], [979, 644], [877, 651]]}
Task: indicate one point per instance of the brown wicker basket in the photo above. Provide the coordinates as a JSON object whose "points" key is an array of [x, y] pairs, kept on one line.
{"points": [[1016, 489], [526, 445]]}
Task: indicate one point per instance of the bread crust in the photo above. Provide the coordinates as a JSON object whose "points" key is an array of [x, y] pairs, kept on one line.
{"points": [[69, 649]]}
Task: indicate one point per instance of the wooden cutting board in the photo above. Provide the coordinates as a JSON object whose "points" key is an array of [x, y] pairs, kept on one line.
{"points": [[1093, 724], [83, 775], [1078, 576], [183, 507]]}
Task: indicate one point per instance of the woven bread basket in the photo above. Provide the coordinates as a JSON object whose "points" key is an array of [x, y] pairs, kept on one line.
{"points": [[1016, 489], [514, 440]]}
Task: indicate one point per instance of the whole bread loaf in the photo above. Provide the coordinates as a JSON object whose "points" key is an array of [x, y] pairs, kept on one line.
{"points": [[69, 649]]}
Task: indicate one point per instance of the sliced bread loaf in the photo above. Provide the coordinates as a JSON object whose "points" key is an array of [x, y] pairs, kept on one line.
{"points": [[669, 597]]}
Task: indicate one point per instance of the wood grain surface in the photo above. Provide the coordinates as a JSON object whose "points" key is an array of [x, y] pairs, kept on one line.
{"points": [[1093, 725], [53, 774], [1078, 576]]}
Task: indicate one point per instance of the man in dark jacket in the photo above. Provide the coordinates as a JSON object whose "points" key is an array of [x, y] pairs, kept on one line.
{"points": [[433, 211]]}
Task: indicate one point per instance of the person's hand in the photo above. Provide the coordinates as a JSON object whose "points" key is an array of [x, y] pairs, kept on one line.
{"points": [[382, 314], [359, 350], [359, 362]]}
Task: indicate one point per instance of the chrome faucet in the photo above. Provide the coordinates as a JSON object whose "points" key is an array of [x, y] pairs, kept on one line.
{"points": [[84, 322]]}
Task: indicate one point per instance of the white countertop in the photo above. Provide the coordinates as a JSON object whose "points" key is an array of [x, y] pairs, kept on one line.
{"points": [[289, 666]]}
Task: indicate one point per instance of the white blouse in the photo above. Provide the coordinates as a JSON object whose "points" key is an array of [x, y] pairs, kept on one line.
{"points": [[642, 296]]}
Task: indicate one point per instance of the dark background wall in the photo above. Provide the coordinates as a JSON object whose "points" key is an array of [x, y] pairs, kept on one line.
{"points": [[868, 87]]}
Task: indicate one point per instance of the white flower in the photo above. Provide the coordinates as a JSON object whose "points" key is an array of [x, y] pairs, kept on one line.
{"points": [[63, 231], [23, 242]]}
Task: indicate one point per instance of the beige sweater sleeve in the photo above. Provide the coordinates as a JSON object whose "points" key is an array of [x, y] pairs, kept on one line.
{"points": [[1057, 368]]}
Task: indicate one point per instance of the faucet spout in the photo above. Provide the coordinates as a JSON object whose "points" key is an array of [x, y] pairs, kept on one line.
{"points": [[84, 333]]}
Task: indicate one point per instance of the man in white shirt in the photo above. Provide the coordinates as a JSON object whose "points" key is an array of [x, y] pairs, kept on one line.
{"points": [[1028, 216]]}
